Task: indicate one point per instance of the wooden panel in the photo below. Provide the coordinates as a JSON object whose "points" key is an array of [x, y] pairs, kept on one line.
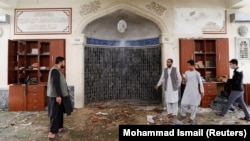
{"points": [[222, 61], [247, 94], [211, 92], [35, 108], [209, 86], [35, 88], [205, 104], [12, 63], [210, 89], [36, 97], [209, 95], [209, 98], [57, 48], [17, 98], [186, 53]]}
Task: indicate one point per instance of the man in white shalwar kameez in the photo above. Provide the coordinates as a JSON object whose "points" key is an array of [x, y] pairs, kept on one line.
{"points": [[193, 92], [171, 77]]}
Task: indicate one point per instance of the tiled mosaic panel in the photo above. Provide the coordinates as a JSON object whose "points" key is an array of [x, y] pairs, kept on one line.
{"points": [[143, 42], [122, 73]]}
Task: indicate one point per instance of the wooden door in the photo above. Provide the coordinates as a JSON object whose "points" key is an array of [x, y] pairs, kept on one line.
{"points": [[186, 53], [57, 48], [12, 63], [17, 97], [222, 57], [247, 93]]}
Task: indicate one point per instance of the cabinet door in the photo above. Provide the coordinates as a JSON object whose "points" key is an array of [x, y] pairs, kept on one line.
{"points": [[12, 63], [247, 93], [17, 98], [222, 59], [186, 53], [57, 48]]}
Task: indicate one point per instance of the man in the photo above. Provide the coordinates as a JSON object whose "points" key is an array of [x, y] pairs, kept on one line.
{"points": [[172, 78], [193, 92], [59, 101], [237, 90]]}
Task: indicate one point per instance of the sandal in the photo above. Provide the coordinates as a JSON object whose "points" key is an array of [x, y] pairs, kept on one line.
{"points": [[62, 130], [219, 114], [55, 136], [245, 118]]}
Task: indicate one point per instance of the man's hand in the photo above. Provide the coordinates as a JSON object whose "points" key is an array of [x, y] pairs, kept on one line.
{"points": [[156, 87], [59, 100], [224, 78], [202, 94]]}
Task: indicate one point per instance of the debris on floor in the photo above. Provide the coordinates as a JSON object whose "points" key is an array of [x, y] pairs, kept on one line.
{"points": [[100, 121]]}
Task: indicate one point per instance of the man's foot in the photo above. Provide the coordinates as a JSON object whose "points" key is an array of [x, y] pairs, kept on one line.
{"points": [[62, 130], [219, 114], [174, 116], [182, 117], [245, 118], [169, 115], [51, 136], [192, 122], [176, 121]]}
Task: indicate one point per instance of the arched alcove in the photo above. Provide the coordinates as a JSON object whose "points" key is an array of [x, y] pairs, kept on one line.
{"points": [[106, 27], [115, 7], [144, 50]]}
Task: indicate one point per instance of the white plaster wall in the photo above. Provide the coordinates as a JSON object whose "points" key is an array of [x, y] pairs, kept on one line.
{"points": [[74, 50], [7, 28]]}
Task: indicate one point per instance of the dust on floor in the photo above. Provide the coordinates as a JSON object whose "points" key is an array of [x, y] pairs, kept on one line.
{"points": [[100, 121]]}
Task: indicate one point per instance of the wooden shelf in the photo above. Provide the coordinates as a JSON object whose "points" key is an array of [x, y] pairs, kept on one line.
{"points": [[31, 59]]}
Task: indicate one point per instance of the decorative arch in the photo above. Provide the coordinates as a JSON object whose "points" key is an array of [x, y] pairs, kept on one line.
{"points": [[81, 26]]}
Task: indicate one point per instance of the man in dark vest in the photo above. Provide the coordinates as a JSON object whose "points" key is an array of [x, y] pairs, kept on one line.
{"points": [[59, 101], [172, 81]]}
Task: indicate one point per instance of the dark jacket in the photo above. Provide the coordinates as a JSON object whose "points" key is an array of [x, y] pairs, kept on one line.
{"points": [[237, 80]]}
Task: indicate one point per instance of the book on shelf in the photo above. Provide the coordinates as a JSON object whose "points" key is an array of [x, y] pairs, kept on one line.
{"points": [[210, 64]]}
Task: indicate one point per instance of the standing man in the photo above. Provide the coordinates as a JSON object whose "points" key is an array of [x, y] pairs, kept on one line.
{"points": [[172, 78], [59, 101], [237, 90], [193, 92]]}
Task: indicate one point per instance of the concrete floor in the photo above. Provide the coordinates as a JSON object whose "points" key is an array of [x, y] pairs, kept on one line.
{"points": [[100, 121]]}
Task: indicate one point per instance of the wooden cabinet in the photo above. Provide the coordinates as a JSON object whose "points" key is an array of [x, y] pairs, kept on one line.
{"points": [[29, 62], [27, 97], [212, 60], [209, 94], [36, 98], [32, 59], [211, 56]]}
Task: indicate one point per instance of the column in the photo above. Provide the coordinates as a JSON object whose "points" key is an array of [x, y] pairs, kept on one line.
{"points": [[75, 68], [167, 51]]}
